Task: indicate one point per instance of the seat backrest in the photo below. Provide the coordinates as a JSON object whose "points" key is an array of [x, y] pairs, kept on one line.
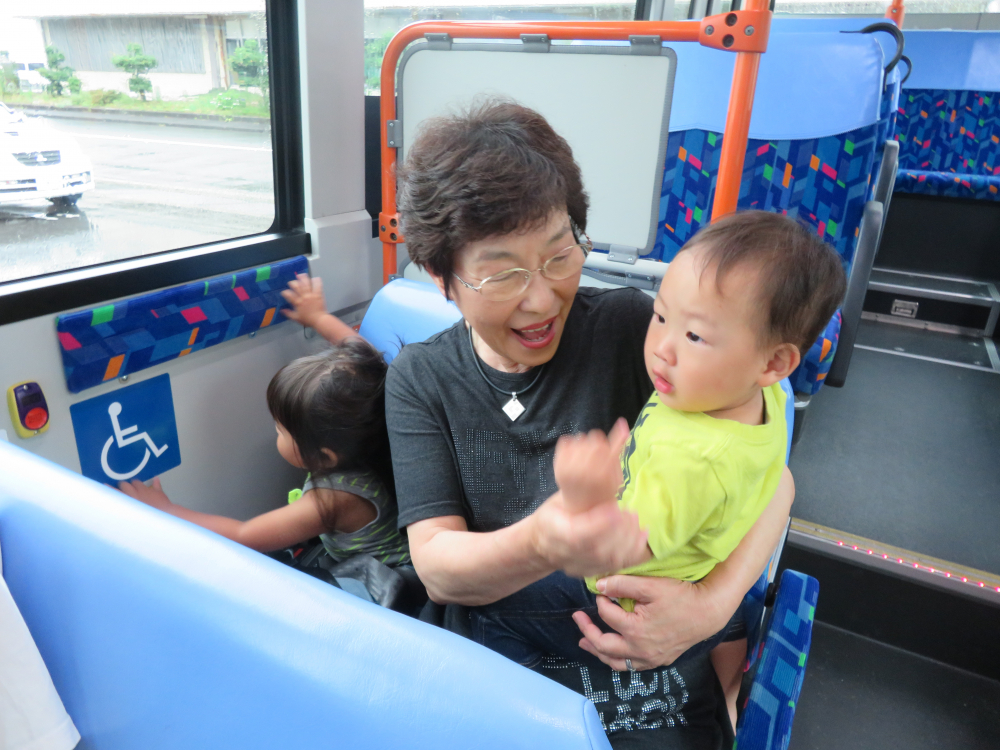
{"points": [[813, 135], [949, 111], [161, 635]]}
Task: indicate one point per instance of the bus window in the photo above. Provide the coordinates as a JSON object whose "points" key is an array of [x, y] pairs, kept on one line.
{"points": [[148, 130], [383, 18], [920, 14]]}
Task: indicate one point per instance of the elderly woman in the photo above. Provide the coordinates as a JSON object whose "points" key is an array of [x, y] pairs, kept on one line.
{"points": [[493, 207]]}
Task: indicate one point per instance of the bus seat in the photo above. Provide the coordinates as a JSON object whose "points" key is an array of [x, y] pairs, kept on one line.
{"points": [[405, 311], [814, 160], [161, 635], [766, 721], [948, 123]]}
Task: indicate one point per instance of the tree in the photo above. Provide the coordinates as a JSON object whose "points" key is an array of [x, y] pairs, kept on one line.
{"points": [[9, 83], [374, 52], [250, 62], [137, 64], [56, 73]]}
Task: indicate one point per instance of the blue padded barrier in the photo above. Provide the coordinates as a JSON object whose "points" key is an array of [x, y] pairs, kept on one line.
{"points": [[107, 342], [160, 635], [403, 312], [766, 722]]}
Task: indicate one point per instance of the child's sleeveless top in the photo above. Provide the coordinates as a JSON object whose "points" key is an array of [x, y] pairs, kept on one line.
{"points": [[380, 538]]}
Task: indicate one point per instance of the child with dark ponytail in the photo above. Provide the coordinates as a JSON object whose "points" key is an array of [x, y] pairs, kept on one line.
{"points": [[329, 413]]}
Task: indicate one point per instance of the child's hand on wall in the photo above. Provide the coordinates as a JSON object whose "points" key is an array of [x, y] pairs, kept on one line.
{"points": [[153, 495], [305, 295], [588, 467]]}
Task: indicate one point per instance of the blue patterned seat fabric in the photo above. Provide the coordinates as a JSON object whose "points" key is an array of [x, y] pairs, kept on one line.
{"points": [[766, 723], [949, 143], [106, 342], [821, 181]]}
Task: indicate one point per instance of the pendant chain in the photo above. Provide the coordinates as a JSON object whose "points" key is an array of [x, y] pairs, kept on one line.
{"points": [[514, 394]]}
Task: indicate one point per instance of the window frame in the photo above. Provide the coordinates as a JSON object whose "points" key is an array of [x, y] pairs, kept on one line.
{"points": [[46, 294]]}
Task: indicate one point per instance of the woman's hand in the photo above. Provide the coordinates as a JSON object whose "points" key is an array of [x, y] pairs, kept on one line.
{"points": [[670, 617], [587, 543], [153, 495]]}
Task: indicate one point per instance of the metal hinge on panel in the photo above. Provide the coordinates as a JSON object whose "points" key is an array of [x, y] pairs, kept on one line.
{"points": [[640, 280], [394, 133], [438, 41], [644, 45], [535, 42], [623, 254]]}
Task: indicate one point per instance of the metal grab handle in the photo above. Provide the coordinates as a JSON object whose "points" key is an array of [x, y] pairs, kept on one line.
{"points": [[889, 28], [857, 287], [909, 68]]}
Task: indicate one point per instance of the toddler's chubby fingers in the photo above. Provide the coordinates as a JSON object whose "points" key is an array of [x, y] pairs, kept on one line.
{"points": [[618, 436]]}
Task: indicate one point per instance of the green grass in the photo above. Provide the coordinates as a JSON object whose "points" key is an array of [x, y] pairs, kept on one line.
{"points": [[233, 102]]}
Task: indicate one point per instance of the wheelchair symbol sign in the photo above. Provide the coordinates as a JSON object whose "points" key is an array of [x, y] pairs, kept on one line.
{"points": [[130, 433]]}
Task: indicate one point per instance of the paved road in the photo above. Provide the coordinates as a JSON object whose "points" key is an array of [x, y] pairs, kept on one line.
{"points": [[158, 187]]}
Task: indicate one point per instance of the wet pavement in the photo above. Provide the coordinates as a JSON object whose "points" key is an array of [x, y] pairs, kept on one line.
{"points": [[157, 188]]}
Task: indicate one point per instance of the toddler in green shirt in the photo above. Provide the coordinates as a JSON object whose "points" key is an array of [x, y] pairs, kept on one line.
{"points": [[737, 308]]}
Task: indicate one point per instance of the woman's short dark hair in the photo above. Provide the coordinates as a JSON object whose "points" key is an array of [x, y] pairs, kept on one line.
{"points": [[496, 169], [800, 279], [336, 400]]}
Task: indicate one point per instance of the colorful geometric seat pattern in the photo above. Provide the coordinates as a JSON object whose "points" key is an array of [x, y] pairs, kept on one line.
{"points": [[128, 336], [823, 182], [811, 373], [949, 143], [766, 723]]}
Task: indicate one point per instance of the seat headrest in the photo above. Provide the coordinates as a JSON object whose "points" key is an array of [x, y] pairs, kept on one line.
{"points": [[954, 60], [810, 85]]}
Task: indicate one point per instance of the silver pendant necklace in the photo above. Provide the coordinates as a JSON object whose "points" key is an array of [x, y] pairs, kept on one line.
{"points": [[512, 408]]}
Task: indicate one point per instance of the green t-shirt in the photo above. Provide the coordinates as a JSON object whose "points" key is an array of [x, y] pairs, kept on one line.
{"points": [[699, 483]]}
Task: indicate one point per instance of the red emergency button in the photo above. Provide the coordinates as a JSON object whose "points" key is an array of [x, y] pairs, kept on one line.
{"points": [[36, 418]]}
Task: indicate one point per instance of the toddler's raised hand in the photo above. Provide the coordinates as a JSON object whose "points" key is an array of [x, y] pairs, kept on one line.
{"points": [[305, 295], [152, 495], [588, 467]]}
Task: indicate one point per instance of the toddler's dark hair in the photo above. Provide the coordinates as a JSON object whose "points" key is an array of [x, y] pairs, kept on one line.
{"points": [[800, 278], [336, 400]]}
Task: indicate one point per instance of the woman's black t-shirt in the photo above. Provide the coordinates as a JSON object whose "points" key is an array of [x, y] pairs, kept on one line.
{"points": [[456, 453]]}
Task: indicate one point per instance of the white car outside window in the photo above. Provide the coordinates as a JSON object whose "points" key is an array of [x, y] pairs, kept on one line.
{"points": [[39, 162]]}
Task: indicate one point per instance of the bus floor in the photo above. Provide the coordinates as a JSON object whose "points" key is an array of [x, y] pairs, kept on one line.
{"points": [[861, 694], [906, 454]]}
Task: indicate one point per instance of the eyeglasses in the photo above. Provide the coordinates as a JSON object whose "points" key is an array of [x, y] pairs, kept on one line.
{"points": [[510, 283]]}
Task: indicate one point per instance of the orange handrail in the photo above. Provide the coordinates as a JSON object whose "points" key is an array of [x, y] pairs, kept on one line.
{"points": [[744, 32], [896, 12]]}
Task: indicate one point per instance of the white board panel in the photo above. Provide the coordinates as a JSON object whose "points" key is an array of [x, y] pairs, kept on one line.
{"points": [[612, 108]]}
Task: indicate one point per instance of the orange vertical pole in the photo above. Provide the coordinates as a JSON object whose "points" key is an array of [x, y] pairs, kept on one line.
{"points": [[734, 141], [896, 12], [742, 32]]}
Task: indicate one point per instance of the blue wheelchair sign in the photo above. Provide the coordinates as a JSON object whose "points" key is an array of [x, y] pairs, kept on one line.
{"points": [[130, 433]]}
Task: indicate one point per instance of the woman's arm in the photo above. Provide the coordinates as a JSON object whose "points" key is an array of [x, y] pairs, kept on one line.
{"points": [[462, 567], [276, 529], [671, 616]]}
